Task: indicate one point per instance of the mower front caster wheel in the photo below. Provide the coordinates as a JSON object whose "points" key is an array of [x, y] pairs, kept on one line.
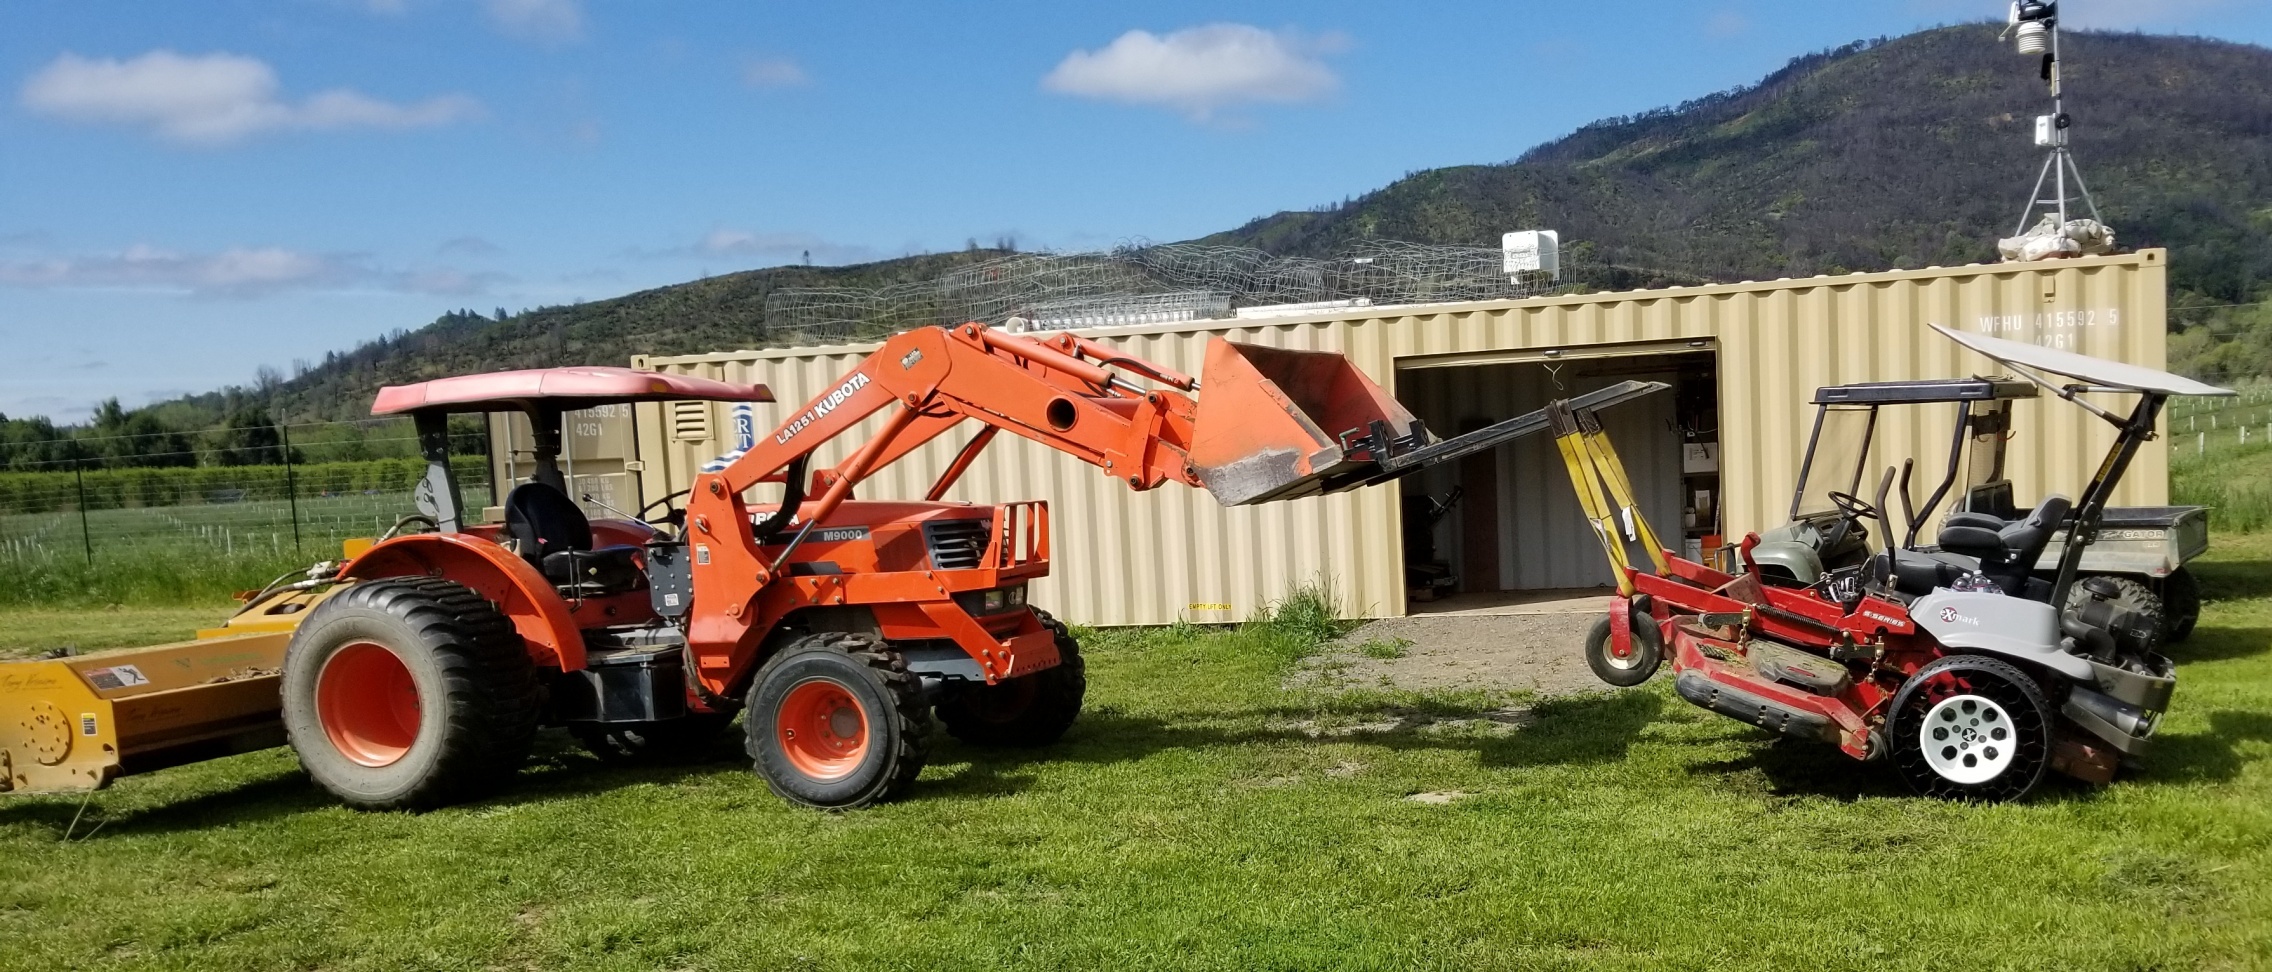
{"points": [[836, 721], [1645, 651]]}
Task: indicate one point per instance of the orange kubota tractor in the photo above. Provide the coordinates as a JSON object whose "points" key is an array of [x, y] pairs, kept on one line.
{"points": [[838, 625], [418, 670]]}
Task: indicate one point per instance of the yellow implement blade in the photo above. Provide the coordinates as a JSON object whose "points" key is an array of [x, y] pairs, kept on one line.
{"points": [[77, 723]]}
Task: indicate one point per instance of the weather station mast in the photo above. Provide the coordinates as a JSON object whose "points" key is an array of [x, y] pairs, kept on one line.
{"points": [[2056, 233], [2036, 25]]}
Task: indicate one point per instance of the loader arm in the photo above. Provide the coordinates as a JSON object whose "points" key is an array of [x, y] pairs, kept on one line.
{"points": [[1275, 424], [926, 381]]}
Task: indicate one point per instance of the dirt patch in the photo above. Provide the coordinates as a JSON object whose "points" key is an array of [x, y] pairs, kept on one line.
{"points": [[1540, 653]]}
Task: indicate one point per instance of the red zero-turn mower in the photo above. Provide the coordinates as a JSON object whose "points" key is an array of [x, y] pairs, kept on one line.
{"points": [[1974, 693]]}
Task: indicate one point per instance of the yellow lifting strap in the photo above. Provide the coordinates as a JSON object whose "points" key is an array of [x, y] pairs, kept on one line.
{"points": [[1604, 491]]}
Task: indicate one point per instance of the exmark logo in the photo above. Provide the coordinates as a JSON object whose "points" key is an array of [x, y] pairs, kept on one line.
{"points": [[826, 405], [1949, 615]]}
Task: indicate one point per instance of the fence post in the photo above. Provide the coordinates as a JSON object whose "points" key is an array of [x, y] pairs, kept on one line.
{"points": [[2201, 445], [291, 480], [86, 535]]}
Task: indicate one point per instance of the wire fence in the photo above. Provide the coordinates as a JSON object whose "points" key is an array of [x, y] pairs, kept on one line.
{"points": [[127, 498], [1144, 283]]}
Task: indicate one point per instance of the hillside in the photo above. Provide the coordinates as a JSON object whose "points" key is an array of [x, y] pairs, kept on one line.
{"points": [[1899, 153]]}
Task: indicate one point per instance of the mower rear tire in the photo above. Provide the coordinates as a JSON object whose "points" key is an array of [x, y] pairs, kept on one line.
{"points": [[685, 739], [409, 694], [1029, 710], [1972, 728], [1648, 651], [836, 721]]}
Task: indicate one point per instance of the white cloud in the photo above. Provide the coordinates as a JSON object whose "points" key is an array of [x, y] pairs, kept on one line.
{"points": [[2133, 14], [1726, 23], [1199, 70], [2092, 14], [725, 242], [774, 72], [213, 99], [469, 245], [234, 272], [542, 21]]}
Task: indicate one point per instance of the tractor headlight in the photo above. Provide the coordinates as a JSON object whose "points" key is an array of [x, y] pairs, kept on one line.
{"points": [[995, 599], [1018, 596]]}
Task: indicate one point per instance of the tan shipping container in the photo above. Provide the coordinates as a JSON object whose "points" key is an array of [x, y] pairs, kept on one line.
{"points": [[1758, 350]]}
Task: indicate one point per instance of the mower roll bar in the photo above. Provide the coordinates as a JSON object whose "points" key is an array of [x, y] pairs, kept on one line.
{"points": [[2153, 389]]}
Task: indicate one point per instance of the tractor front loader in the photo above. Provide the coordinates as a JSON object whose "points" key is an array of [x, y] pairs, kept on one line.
{"points": [[839, 627]]}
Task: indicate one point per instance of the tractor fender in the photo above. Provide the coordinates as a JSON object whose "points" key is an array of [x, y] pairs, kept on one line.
{"points": [[1795, 559], [497, 574]]}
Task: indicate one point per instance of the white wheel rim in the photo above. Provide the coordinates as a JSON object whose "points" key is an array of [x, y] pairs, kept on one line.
{"points": [[1632, 659], [1968, 739]]}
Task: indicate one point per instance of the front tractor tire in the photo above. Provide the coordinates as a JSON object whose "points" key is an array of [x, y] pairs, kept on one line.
{"points": [[836, 721], [1972, 728], [1029, 710], [409, 694]]}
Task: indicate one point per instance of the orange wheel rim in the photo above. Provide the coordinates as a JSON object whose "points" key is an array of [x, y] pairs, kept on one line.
{"points": [[822, 729], [368, 704]]}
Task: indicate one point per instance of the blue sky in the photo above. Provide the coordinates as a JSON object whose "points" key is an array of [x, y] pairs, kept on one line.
{"points": [[189, 190]]}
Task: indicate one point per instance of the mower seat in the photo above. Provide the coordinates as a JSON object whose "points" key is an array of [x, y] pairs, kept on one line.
{"points": [[1986, 521], [2008, 555], [1917, 572], [555, 537]]}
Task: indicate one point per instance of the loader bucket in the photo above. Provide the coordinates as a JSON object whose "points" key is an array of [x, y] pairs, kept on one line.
{"points": [[1277, 424]]}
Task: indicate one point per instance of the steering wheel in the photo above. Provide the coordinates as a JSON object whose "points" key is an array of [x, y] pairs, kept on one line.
{"points": [[1852, 511], [1853, 506], [675, 517]]}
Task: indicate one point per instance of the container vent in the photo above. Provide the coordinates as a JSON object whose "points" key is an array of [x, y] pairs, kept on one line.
{"points": [[690, 421], [956, 544]]}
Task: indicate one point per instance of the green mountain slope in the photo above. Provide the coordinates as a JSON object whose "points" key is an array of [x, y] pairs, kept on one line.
{"points": [[1900, 153], [1903, 153]]}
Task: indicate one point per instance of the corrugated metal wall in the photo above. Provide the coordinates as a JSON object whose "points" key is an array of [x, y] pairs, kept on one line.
{"points": [[1150, 558]]}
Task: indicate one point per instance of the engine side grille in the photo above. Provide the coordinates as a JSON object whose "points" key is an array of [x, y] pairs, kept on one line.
{"points": [[956, 544]]}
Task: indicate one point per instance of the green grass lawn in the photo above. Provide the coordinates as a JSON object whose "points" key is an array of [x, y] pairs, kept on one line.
{"points": [[1202, 816]]}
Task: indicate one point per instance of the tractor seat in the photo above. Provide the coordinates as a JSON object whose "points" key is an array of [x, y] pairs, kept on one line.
{"points": [[2008, 555], [555, 537]]}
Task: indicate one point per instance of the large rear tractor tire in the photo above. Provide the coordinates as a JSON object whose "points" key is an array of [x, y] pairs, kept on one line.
{"points": [[1972, 728], [1647, 651], [1029, 710], [836, 721], [409, 694], [685, 739], [2181, 605]]}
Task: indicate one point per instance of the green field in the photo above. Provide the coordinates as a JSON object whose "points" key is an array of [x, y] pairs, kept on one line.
{"points": [[1202, 815], [180, 554]]}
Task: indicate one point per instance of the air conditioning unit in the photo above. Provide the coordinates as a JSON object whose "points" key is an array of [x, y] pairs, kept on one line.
{"points": [[1532, 251]]}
